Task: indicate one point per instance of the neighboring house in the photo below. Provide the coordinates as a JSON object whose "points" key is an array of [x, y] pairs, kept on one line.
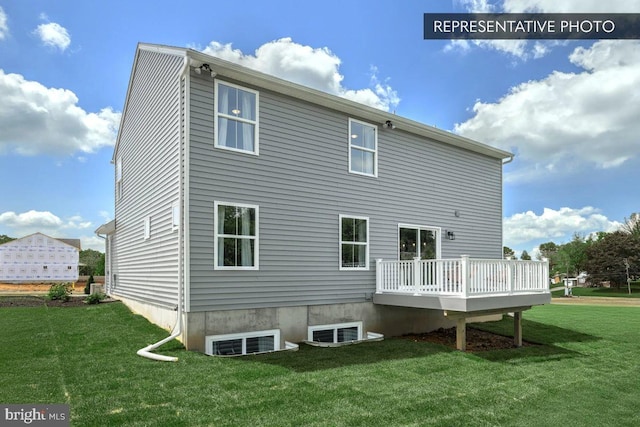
{"points": [[39, 258], [261, 211]]}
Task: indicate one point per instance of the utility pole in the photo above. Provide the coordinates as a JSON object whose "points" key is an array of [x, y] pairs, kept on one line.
{"points": [[626, 264]]}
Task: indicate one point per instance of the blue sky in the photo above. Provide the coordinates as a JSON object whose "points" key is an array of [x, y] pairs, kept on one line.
{"points": [[568, 110]]}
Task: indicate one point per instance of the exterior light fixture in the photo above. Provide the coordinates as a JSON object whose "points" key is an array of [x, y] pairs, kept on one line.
{"points": [[205, 67], [389, 125], [451, 235]]}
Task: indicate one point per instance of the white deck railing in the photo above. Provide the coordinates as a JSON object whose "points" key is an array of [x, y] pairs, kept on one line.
{"points": [[464, 277]]}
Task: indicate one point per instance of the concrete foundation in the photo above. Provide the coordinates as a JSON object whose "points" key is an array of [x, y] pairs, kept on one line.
{"points": [[161, 316], [293, 321]]}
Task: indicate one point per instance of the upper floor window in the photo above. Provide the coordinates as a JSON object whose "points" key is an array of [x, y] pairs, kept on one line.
{"points": [[236, 236], [363, 148], [354, 243], [236, 118]]}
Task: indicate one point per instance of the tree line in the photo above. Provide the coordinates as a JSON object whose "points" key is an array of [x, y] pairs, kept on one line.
{"points": [[611, 257]]}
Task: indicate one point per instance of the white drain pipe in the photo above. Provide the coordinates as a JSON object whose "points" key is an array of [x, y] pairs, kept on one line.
{"points": [[177, 329], [146, 352]]}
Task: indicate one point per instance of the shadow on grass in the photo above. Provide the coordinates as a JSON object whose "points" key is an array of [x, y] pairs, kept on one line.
{"points": [[546, 337], [529, 355], [309, 358], [536, 332]]}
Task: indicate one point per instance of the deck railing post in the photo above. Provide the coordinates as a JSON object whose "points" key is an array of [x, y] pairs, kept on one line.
{"points": [[545, 274], [379, 275], [416, 275], [465, 272], [512, 281]]}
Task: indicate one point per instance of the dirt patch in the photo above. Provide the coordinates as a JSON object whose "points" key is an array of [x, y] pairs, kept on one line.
{"points": [[36, 301], [616, 301], [477, 340], [35, 288]]}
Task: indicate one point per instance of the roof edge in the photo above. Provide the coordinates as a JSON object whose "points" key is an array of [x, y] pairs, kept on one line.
{"points": [[247, 75]]}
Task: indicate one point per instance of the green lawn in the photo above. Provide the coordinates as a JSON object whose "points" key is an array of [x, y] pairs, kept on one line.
{"points": [[622, 292], [586, 372]]}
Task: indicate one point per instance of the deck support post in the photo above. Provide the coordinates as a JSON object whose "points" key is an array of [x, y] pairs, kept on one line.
{"points": [[461, 334], [517, 328], [461, 323]]}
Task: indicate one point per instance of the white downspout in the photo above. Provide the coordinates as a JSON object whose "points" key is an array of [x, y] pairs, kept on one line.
{"points": [[107, 249], [177, 329]]}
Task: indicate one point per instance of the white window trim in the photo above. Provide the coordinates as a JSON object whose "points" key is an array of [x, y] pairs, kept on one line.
{"points": [[375, 151], [147, 228], [210, 339], [256, 238], [256, 123], [437, 230], [175, 216], [340, 242], [335, 327]]}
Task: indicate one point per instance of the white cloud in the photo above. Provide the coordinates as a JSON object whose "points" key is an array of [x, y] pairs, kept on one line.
{"points": [[552, 225], [515, 48], [92, 242], [53, 35], [29, 219], [25, 223], [75, 227], [523, 49], [4, 26], [106, 216], [35, 119], [317, 68], [479, 6], [568, 121]]}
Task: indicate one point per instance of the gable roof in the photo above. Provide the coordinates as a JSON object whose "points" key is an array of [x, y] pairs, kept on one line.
{"points": [[75, 243], [72, 242], [249, 76]]}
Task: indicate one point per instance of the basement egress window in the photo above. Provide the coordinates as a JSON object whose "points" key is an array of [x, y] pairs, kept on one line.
{"points": [[335, 333], [243, 343], [339, 334]]}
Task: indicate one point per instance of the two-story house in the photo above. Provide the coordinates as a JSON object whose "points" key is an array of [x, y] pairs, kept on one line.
{"points": [[251, 212]]}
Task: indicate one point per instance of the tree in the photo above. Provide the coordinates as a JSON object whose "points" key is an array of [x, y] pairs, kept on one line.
{"points": [[507, 252], [571, 257], [632, 225], [549, 251], [525, 256], [4, 238], [605, 257], [100, 266], [91, 260]]}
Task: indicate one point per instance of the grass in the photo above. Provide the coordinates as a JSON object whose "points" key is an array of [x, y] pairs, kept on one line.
{"points": [[585, 373], [621, 292]]}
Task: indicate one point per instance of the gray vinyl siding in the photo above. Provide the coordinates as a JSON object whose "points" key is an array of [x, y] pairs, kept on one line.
{"points": [[301, 182], [149, 144]]}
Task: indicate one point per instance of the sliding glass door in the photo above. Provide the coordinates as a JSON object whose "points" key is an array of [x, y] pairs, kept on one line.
{"points": [[421, 242]]}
